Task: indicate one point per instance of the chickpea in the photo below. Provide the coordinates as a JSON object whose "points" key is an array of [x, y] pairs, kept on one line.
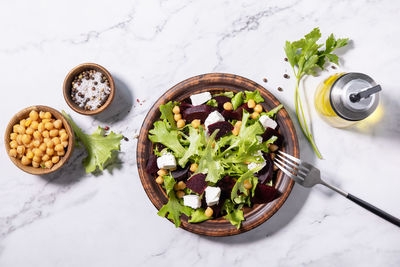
{"points": [[251, 103], [46, 121], [25, 161], [62, 131], [176, 110], [272, 155], [48, 164], [59, 147], [181, 185], [47, 139], [36, 159], [41, 114], [273, 147], [180, 194], [193, 167], [13, 144], [258, 108], [177, 117], [56, 140], [36, 143], [13, 136], [29, 154], [49, 126], [64, 137], [35, 164], [37, 135], [247, 184], [55, 159], [21, 129], [255, 115], [28, 122], [47, 115], [61, 153], [26, 138], [275, 168], [236, 131], [20, 150], [49, 144], [34, 125], [41, 127], [19, 139], [162, 172], [196, 123], [57, 124], [29, 131], [38, 152], [228, 106], [43, 147], [176, 188], [208, 212], [46, 134], [54, 133], [13, 153], [15, 128], [45, 158], [22, 122], [33, 115], [180, 123], [159, 180], [50, 151]]}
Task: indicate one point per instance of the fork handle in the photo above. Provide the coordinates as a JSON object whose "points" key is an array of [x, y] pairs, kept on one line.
{"points": [[374, 209]]}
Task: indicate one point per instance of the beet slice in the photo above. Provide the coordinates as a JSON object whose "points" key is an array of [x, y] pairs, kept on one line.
{"points": [[269, 132], [199, 112], [265, 174], [197, 183], [184, 105], [218, 208], [231, 115], [226, 184], [223, 126], [265, 193], [181, 174], [221, 100], [151, 166]]}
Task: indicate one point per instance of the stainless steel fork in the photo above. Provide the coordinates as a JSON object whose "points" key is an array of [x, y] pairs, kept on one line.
{"points": [[307, 175]]}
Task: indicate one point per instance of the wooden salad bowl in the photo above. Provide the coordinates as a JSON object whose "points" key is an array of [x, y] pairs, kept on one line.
{"points": [[23, 114], [214, 83]]}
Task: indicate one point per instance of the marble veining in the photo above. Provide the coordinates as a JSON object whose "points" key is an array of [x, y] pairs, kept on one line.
{"points": [[71, 218]]}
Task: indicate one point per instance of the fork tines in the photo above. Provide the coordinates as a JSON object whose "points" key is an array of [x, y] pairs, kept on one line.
{"points": [[291, 166]]}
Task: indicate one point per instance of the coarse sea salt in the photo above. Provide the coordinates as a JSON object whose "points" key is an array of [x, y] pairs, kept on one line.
{"points": [[88, 98]]}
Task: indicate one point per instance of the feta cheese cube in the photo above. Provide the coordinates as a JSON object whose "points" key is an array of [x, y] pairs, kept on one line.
{"points": [[212, 195], [214, 117], [166, 161], [267, 122], [201, 98], [192, 201]]}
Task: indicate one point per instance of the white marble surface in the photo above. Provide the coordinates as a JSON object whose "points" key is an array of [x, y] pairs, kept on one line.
{"points": [[74, 219]]}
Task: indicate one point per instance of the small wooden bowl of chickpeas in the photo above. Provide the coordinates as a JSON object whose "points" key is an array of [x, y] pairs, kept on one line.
{"points": [[39, 140]]}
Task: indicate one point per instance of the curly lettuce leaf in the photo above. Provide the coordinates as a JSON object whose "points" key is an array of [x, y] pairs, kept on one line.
{"points": [[212, 102], [98, 146], [227, 94], [234, 216], [167, 114], [196, 141], [239, 185], [255, 95], [272, 113], [169, 183], [237, 100], [198, 216], [208, 163], [169, 138], [174, 209]]}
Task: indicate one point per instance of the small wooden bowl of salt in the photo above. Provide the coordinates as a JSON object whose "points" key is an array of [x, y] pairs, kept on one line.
{"points": [[88, 89]]}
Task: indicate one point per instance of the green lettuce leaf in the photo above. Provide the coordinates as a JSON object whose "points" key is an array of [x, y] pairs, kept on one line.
{"points": [[169, 138], [239, 185], [237, 100], [196, 141], [234, 216], [98, 146], [227, 94], [167, 114], [255, 95], [208, 164], [169, 183], [212, 102], [174, 209], [198, 216], [274, 111]]}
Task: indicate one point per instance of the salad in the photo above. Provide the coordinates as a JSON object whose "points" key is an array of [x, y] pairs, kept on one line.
{"points": [[213, 155]]}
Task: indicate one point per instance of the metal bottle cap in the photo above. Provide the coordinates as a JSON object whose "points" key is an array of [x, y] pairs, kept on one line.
{"points": [[354, 96]]}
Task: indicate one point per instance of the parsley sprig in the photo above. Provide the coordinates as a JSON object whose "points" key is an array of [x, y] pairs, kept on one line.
{"points": [[305, 57]]}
